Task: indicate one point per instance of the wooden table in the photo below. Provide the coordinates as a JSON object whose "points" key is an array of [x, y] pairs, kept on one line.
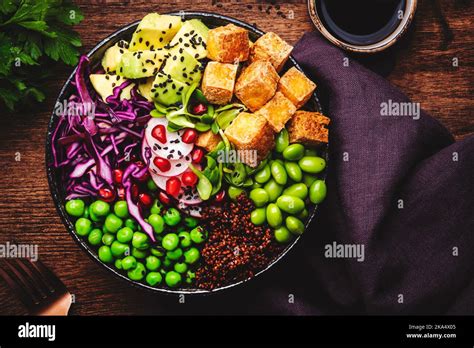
{"points": [[422, 68]]}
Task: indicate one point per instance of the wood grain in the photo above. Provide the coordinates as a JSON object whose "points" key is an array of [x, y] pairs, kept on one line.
{"points": [[422, 68]]}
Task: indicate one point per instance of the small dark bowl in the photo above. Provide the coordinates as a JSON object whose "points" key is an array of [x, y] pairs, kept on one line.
{"points": [[55, 184]]}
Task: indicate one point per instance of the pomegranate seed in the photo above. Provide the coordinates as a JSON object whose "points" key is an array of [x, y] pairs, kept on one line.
{"points": [[145, 199], [220, 196], [134, 191], [121, 192], [190, 135], [162, 163], [106, 194], [173, 185], [199, 109], [163, 197], [197, 155], [189, 179], [118, 173], [159, 133]]}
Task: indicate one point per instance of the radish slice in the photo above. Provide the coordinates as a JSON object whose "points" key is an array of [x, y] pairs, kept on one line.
{"points": [[177, 166], [174, 148], [189, 196], [193, 210]]}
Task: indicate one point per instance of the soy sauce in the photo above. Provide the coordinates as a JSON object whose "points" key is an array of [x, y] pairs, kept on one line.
{"points": [[361, 22]]}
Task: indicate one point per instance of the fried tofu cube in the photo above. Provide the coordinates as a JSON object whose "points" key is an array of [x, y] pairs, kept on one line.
{"points": [[208, 140], [271, 47], [308, 128], [228, 44], [257, 84], [296, 87], [218, 82], [277, 111], [251, 133]]}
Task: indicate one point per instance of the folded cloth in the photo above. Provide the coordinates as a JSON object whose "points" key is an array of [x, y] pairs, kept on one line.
{"points": [[398, 186]]}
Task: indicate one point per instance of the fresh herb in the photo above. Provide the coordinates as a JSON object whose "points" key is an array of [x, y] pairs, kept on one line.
{"points": [[33, 35]]}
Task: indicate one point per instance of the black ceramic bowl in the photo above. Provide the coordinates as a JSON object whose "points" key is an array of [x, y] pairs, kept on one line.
{"points": [[55, 184]]}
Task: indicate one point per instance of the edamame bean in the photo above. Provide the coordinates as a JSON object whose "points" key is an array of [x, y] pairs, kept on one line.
{"points": [[105, 254], [312, 165], [190, 222], [113, 223], [308, 179], [137, 273], [125, 235], [119, 249], [282, 235], [310, 152], [152, 263], [274, 215], [139, 254], [118, 264], [153, 278], [279, 173], [297, 190], [273, 189], [258, 216], [156, 207], [294, 225], [293, 171], [263, 175], [317, 191], [157, 222], [184, 239], [173, 279], [198, 235], [172, 217], [290, 204], [75, 207], [100, 208], [83, 226], [259, 196], [95, 237], [170, 241], [140, 241], [174, 254], [191, 256], [303, 215], [121, 209], [282, 141], [293, 152], [180, 267], [234, 192], [129, 262], [108, 238]]}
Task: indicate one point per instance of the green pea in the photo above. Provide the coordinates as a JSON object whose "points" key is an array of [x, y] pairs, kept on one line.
{"points": [[157, 252], [263, 175], [125, 235], [105, 254], [191, 256], [180, 267], [95, 237], [140, 241], [258, 216], [273, 189], [118, 264], [119, 249], [83, 226], [310, 152], [274, 215], [184, 239], [170, 241], [294, 225], [157, 222], [129, 262], [92, 215], [259, 196], [113, 223], [297, 190], [293, 152], [154, 278], [150, 184], [308, 179], [167, 263], [86, 212], [75, 207], [303, 215], [290, 204], [294, 171], [173, 279], [312, 165], [190, 222], [175, 254], [137, 273], [100, 208], [172, 217], [152, 263], [282, 235], [108, 238], [317, 191], [130, 223], [139, 254], [279, 173], [156, 207], [121, 209], [282, 141], [198, 235]]}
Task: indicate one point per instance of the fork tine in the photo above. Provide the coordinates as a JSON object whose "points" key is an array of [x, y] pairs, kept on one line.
{"points": [[18, 288], [25, 278], [35, 276], [52, 279]]}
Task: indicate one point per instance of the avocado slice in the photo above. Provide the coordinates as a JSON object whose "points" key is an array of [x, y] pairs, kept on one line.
{"points": [[144, 88], [155, 31], [182, 66], [167, 90], [135, 65], [113, 55], [104, 85], [192, 37]]}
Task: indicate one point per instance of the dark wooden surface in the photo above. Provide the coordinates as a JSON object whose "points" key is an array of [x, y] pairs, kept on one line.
{"points": [[422, 68]]}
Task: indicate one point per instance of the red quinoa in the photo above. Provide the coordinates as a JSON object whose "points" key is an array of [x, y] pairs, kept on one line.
{"points": [[236, 248]]}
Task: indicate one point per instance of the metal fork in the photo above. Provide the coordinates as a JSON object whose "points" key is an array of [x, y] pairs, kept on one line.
{"points": [[37, 286]]}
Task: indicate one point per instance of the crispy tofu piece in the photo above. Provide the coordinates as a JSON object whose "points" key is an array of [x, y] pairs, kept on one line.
{"points": [[277, 111], [218, 82], [208, 140], [251, 132], [257, 84], [308, 128], [272, 48], [228, 44], [296, 87]]}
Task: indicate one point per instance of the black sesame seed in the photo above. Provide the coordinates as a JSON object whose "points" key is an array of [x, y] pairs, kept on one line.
{"points": [[140, 40]]}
